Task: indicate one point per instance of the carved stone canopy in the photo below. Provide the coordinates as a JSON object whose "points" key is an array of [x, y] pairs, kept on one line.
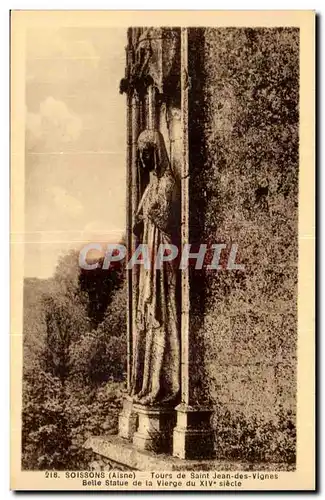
{"points": [[151, 60]]}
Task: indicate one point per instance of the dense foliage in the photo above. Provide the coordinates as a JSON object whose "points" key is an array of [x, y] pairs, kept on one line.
{"points": [[74, 362]]}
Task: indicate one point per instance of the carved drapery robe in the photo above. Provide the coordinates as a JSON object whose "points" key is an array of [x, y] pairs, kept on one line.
{"points": [[156, 347]]}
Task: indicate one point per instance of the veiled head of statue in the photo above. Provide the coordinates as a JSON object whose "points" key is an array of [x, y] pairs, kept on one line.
{"points": [[152, 152]]}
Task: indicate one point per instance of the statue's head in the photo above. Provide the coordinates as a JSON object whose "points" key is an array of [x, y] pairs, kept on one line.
{"points": [[147, 157], [152, 152]]}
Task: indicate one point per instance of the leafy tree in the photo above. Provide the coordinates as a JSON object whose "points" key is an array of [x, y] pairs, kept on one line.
{"points": [[74, 363], [100, 355], [100, 285], [66, 322]]}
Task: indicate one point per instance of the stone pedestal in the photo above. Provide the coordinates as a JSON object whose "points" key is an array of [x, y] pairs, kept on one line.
{"points": [[155, 428], [128, 418], [193, 436]]}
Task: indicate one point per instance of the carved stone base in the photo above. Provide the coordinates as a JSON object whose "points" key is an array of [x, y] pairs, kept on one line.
{"points": [[193, 435], [123, 455], [128, 418], [155, 428]]}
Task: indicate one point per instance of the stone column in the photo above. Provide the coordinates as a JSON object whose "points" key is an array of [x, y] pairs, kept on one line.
{"points": [[128, 417], [129, 239], [193, 436], [135, 120]]}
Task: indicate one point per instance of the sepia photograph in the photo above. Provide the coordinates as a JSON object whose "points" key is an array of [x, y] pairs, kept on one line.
{"points": [[162, 243]]}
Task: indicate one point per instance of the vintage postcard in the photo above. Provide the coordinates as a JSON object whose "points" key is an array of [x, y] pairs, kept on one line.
{"points": [[162, 250]]}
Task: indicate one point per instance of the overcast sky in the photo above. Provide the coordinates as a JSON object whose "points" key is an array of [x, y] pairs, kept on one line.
{"points": [[75, 142]]}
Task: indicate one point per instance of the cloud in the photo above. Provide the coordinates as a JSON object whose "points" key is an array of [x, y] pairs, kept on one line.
{"points": [[101, 231], [63, 45], [78, 49], [64, 202], [53, 124], [34, 124]]}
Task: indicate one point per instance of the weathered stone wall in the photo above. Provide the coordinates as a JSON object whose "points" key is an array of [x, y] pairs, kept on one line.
{"points": [[100, 463], [243, 115]]}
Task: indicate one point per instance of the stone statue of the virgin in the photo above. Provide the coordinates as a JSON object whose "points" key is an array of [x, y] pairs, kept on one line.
{"points": [[156, 347]]}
